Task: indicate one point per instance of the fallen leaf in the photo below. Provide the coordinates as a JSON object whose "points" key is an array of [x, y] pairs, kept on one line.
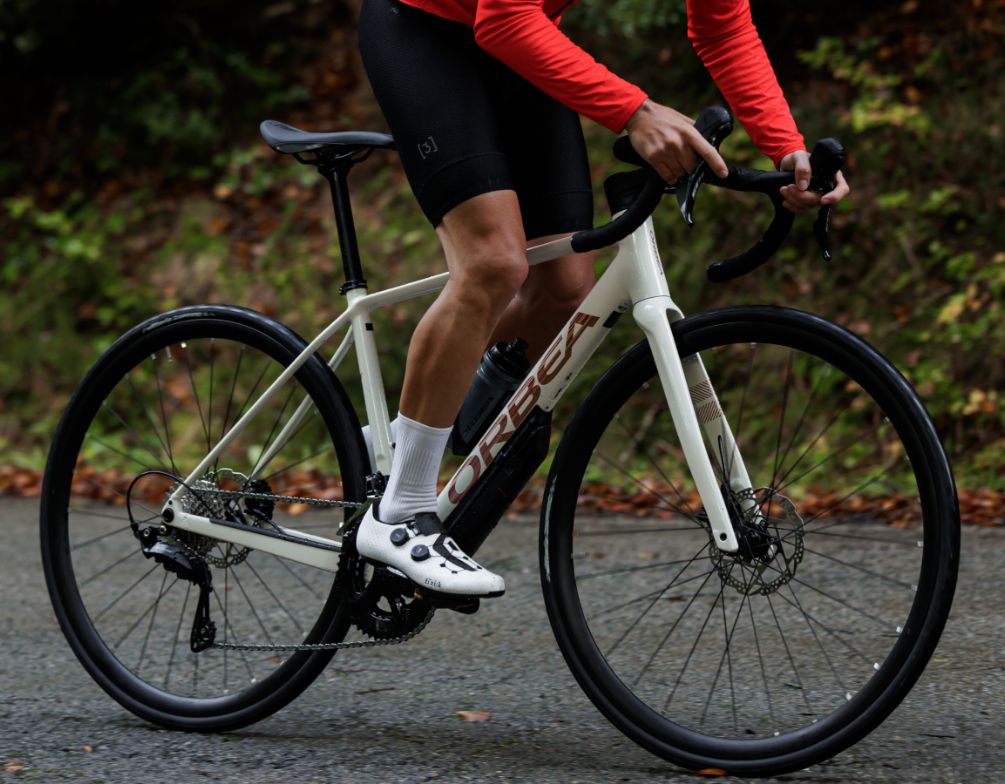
{"points": [[649, 555], [711, 772], [473, 715], [13, 766], [87, 748]]}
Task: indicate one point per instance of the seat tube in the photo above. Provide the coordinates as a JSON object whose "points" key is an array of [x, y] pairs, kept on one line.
{"points": [[653, 310], [373, 383]]}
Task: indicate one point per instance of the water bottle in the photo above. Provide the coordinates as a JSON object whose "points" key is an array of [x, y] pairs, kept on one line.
{"points": [[502, 368]]}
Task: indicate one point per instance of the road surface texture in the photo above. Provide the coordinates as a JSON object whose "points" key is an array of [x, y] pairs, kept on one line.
{"points": [[390, 714]]}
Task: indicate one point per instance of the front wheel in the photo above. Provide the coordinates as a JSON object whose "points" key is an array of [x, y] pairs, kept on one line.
{"points": [[787, 652]]}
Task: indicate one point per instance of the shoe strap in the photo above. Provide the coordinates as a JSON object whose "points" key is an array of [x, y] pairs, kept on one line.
{"points": [[427, 524]]}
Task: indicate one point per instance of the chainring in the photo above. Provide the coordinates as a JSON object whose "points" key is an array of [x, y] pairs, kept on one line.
{"points": [[380, 604]]}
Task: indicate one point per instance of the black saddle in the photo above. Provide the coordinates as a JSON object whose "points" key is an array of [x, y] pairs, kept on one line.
{"points": [[285, 138]]}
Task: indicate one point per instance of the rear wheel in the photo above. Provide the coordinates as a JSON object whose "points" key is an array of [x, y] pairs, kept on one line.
{"points": [[789, 651], [142, 418]]}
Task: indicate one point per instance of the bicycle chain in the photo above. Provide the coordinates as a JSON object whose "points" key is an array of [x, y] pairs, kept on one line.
{"points": [[298, 647], [327, 646], [290, 499]]}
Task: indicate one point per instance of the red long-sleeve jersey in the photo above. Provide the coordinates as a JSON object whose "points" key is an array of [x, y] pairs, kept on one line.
{"points": [[524, 34]]}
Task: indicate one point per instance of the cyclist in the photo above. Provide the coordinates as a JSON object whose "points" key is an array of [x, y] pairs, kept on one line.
{"points": [[483, 97]]}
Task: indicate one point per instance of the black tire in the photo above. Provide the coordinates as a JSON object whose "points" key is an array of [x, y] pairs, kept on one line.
{"points": [[153, 401], [779, 659]]}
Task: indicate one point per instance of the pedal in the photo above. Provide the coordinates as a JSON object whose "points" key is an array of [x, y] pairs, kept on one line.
{"points": [[468, 605]]}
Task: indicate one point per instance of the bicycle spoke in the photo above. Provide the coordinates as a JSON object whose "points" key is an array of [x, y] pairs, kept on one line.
{"points": [[870, 572], [629, 569], [251, 606], [139, 620], [273, 595], [819, 642], [832, 632], [275, 427], [108, 568], [195, 394], [796, 431], [153, 618], [760, 661], [697, 639], [233, 638], [108, 407], [788, 654], [323, 450], [821, 532], [299, 579], [728, 632], [167, 430], [636, 442], [177, 634], [230, 400], [653, 602], [743, 400], [102, 536], [140, 463], [670, 507], [141, 403], [126, 591], [781, 419], [783, 481]]}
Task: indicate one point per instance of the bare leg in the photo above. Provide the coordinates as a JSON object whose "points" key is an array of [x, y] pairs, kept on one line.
{"points": [[486, 254], [547, 299]]}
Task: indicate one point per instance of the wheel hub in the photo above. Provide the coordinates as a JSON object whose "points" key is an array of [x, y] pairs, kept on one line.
{"points": [[770, 538], [202, 498]]}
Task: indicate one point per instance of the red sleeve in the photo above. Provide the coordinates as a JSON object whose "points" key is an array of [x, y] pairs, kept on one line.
{"points": [[518, 33], [723, 34]]}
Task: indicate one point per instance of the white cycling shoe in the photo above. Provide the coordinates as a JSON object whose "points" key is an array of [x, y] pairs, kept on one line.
{"points": [[419, 548]]}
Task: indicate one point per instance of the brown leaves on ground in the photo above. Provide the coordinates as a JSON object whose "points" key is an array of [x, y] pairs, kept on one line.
{"points": [[13, 766], [977, 507], [474, 715]]}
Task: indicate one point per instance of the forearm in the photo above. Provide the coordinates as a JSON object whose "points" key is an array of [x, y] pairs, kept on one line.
{"points": [[723, 34]]}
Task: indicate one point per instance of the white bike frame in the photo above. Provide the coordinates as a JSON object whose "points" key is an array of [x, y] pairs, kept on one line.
{"points": [[634, 280]]}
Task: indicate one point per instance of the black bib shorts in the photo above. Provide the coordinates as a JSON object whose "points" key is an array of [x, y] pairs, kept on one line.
{"points": [[465, 124]]}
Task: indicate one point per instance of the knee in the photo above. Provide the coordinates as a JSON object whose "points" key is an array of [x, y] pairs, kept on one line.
{"points": [[492, 271], [562, 295]]}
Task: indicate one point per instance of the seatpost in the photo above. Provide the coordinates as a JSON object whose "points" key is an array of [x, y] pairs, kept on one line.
{"points": [[337, 174]]}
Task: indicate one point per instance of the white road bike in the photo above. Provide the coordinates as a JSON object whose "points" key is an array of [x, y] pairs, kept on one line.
{"points": [[766, 578]]}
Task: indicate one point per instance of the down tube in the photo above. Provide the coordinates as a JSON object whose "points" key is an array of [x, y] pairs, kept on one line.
{"points": [[547, 380]]}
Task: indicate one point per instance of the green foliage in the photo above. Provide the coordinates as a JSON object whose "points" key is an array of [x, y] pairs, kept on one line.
{"points": [[629, 17], [874, 104], [207, 214]]}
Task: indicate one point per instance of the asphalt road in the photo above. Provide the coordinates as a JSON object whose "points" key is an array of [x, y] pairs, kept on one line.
{"points": [[390, 714]]}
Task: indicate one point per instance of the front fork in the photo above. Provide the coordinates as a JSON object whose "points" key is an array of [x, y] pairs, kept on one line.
{"points": [[690, 396], [680, 384]]}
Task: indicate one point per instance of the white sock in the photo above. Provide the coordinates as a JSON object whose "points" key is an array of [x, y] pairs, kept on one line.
{"points": [[368, 440], [417, 454]]}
